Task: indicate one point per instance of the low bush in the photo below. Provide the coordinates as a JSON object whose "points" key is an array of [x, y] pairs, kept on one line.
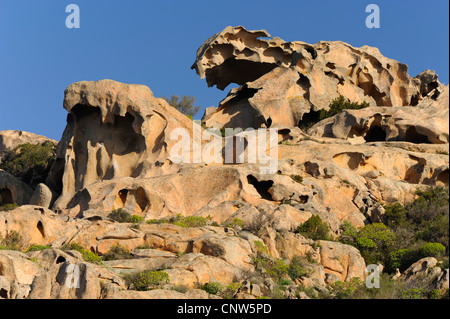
{"points": [[212, 288], [297, 268], [87, 255], [117, 252], [30, 162], [147, 279], [136, 219], [12, 241], [38, 248], [432, 250], [8, 207], [120, 215], [314, 228], [297, 178]]}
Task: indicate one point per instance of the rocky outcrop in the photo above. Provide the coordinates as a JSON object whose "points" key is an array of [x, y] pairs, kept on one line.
{"points": [[13, 190], [426, 270], [130, 134], [426, 123], [284, 82], [10, 139], [115, 156]]}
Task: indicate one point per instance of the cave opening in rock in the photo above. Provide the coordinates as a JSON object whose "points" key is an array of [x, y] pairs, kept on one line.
{"points": [[141, 198], [40, 227], [443, 177], [375, 134], [123, 194], [60, 260], [237, 71], [308, 120], [3, 293], [262, 187], [413, 136], [6, 197]]}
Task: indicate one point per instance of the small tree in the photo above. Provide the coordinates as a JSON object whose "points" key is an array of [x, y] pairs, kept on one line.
{"points": [[185, 105], [30, 162], [314, 228]]}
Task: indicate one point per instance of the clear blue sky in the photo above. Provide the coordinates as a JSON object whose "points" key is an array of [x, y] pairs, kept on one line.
{"points": [[154, 43]]}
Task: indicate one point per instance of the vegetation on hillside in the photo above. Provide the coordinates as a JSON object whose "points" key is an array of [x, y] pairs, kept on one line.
{"points": [[30, 162], [336, 106], [407, 234], [185, 105]]}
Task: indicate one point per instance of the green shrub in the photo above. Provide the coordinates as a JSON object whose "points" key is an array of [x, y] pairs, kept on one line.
{"points": [[230, 290], [237, 223], [430, 203], [297, 178], [260, 247], [314, 228], [297, 268], [158, 221], [12, 241], [414, 293], [147, 279], [432, 250], [346, 290], [338, 105], [278, 268], [30, 162], [190, 221], [87, 255], [212, 288], [395, 215], [117, 252], [38, 248], [185, 105], [136, 219], [120, 215], [375, 242], [379, 234], [399, 259], [8, 207], [348, 233]]}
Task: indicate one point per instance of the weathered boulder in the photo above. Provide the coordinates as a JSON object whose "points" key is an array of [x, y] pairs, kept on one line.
{"points": [[209, 269], [43, 196], [10, 139], [281, 82], [341, 260], [17, 266], [73, 281], [13, 190], [38, 226], [410, 124], [113, 130]]}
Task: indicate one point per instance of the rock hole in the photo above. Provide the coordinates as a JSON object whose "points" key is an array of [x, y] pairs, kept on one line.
{"points": [[40, 227], [375, 134], [3, 293], [123, 194], [413, 136], [443, 177], [6, 197], [141, 198], [60, 260], [261, 187]]}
